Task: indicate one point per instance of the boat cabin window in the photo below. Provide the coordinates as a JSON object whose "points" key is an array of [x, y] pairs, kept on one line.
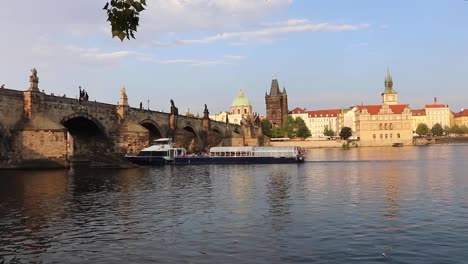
{"points": [[153, 153], [159, 142]]}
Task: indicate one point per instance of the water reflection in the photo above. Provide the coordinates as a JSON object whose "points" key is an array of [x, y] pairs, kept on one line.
{"points": [[278, 193], [341, 207]]}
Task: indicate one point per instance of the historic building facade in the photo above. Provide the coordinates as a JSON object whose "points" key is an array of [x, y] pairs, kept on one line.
{"points": [[241, 108], [461, 118], [386, 124], [432, 114], [419, 117], [276, 105], [318, 120]]}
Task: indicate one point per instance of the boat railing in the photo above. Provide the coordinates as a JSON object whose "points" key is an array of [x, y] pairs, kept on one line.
{"points": [[254, 152]]}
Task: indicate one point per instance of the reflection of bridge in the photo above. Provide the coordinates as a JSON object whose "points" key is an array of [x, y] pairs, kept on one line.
{"points": [[35, 127]]}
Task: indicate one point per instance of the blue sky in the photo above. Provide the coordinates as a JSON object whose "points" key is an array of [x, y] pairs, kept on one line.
{"points": [[328, 54]]}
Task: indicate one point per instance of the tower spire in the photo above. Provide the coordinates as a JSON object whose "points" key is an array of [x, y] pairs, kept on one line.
{"points": [[388, 82]]}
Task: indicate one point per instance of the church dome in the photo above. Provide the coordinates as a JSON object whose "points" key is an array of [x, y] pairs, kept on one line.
{"points": [[240, 100]]}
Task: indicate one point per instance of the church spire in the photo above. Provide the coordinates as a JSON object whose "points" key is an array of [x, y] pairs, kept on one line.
{"points": [[389, 96], [274, 91], [389, 83]]}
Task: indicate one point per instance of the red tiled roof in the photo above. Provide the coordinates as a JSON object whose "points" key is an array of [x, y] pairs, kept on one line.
{"points": [[435, 106], [374, 109], [324, 113], [316, 113], [297, 110], [464, 112], [398, 109], [419, 112]]}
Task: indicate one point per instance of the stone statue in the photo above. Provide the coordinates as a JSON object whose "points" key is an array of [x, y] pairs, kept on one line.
{"points": [[33, 81], [33, 76], [206, 113], [123, 97], [174, 109]]}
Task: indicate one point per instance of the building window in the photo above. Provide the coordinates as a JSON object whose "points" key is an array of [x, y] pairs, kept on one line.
{"points": [[391, 135], [381, 136], [386, 136], [398, 135], [245, 111], [373, 136], [386, 126], [238, 111], [391, 126], [380, 126]]}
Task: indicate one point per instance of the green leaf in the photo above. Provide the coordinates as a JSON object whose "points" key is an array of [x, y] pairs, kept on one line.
{"points": [[138, 7]]}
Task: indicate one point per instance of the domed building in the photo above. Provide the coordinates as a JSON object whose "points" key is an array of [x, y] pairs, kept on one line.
{"points": [[240, 108], [241, 105]]}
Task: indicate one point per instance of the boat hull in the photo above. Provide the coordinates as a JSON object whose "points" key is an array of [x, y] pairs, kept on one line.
{"points": [[148, 160], [200, 160], [237, 160]]}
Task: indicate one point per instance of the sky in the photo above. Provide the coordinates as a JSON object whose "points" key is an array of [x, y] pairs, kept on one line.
{"points": [[326, 53]]}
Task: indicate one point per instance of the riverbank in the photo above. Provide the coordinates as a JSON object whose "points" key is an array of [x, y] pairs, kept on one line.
{"points": [[313, 144]]}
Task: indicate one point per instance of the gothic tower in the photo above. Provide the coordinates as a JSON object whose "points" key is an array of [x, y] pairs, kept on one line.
{"points": [[276, 105], [389, 96]]}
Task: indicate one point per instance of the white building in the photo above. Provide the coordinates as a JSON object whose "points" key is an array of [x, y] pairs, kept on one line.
{"points": [[318, 120]]}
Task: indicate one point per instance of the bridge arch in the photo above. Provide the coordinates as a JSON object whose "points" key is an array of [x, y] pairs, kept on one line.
{"points": [[216, 136], [188, 137], [86, 136], [154, 129], [4, 143]]}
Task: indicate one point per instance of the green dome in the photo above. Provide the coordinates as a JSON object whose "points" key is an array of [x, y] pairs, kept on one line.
{"points": [[240, 100]]}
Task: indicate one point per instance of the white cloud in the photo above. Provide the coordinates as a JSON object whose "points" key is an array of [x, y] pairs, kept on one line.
{"points": [[289, 22], [187, 15], [267, 33]]}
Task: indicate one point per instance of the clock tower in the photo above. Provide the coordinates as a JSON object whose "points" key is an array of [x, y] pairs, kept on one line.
{"points": [[389, 96]]}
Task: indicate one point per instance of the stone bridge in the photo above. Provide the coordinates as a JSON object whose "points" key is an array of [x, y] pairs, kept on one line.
{"points": [[37, 129]]}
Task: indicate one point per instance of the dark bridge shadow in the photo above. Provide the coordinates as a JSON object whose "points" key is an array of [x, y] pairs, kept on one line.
{"points": [[88, 137]]}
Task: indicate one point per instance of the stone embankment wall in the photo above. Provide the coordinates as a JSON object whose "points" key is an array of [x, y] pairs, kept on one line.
{"points": [[307, 144]]}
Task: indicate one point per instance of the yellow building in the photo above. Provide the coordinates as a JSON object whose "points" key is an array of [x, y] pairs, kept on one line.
{"points": [[461, 118], [437, 113], [386, 124], [419, 117]]}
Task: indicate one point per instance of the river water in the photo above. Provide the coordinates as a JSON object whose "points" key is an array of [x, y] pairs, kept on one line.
{"points": [[363, 205]]}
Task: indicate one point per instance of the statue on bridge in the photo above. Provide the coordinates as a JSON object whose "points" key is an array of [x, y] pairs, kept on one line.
{"points": [[34, 81], [174, 109], [206, 113], [123, 97]]}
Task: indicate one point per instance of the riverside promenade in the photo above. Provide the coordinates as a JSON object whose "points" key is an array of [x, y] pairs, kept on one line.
{"points": [[338, 143]]}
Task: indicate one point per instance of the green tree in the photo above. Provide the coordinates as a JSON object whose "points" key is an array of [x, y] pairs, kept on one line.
{"points": [[464, 129], [277, 132], [302, 129], [437, 129], [446, 129], [456, 129], [328, 132], [422, 129], [124, 17], [346, 133], [289, 127], [266, 127]]}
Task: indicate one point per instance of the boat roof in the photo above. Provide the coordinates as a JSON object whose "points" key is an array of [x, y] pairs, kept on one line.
{"points": [[246, 149], [162, 139]]}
